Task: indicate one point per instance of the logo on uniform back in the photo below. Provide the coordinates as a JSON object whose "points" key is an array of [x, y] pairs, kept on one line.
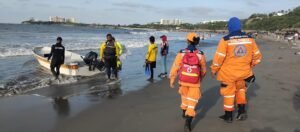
{"points": [[240, 50]]}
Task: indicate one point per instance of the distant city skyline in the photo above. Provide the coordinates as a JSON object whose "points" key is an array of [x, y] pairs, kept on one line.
{"points": [[136, 11]]}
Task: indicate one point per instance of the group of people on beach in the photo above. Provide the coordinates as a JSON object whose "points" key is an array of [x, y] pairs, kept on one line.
{"points": [[111, 50], [151, 56], [236, 56]]}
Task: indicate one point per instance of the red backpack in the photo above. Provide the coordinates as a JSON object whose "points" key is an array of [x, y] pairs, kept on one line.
{"points": [[190, 71]]}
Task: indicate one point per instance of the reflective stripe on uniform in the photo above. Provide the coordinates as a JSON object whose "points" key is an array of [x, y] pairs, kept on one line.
{"points": [[241, 90], [216, 64], [190, 74], [188, 98], [239, 43], [258, 60], [221, 54], [184, 104], [176, 66], [191, 107], [230, 96], [257, 52], [228, 106]]}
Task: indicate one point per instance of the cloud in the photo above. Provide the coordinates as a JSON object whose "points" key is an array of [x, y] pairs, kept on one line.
{"points": [[23, 0], [87, 2], [133, 5], [188, 13], [252, 3], [201, 10], [68, 7], [122, 10], [170, 11], [42, 5]]}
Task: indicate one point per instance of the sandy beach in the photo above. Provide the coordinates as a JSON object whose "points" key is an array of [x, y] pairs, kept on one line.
{"points": [[274, 103], [94, 66]]}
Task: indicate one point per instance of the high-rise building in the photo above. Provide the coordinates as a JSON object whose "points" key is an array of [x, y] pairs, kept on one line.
{"points": [[212, 21], [71, 20], [62, 19], [170, 22]]}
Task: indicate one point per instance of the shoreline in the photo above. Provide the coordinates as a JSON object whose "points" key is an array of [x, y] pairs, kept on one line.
{"points": [[274, 104], [156, 107]]}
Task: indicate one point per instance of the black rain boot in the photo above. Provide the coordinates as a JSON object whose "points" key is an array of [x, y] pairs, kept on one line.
{"points": [[227, 117], [242, 114], [160, 75], [183, 113], [56, 77], [188, 124]]}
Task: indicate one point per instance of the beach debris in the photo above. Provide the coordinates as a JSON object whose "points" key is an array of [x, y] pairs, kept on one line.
{"points": [[281, 47], [15, 91], [2, 87], [296, 100], [297, 53], [295, 47], [280, 58]]}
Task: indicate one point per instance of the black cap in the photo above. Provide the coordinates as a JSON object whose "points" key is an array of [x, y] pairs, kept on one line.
{"points": [[59, 38], [109, 35], [152, 39]]}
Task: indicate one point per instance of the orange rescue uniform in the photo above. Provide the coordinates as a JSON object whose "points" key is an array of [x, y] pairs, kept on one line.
{"points": [[190, 93], [233, 62]]}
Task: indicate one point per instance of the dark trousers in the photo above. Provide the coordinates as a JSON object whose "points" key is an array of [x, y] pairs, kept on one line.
{"points": [[152, 65], [55, 69], [111, 66], [152, 72]]}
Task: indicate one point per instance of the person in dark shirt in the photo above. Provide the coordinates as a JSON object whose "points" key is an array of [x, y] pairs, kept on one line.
{"points": [[164, 53], [58, 57]]}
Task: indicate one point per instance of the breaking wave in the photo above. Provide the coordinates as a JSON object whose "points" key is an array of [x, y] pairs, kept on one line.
{"points": [[5, 52]]}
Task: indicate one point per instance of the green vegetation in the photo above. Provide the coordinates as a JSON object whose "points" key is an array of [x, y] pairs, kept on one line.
{"points": [[271, 22], [185, 26], [268, 22]]}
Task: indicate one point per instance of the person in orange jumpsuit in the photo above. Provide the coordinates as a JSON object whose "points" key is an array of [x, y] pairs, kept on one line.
{"points": [[237, 54], [190, 66]]}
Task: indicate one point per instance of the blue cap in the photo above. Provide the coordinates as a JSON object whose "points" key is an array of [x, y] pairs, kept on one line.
{"points": [[234, 24]]}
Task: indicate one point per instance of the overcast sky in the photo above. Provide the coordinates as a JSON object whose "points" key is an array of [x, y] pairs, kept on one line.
{"points": [[137, 11]]}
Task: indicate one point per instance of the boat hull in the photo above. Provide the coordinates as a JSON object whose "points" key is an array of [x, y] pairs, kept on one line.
{"points": [[74, 65]]}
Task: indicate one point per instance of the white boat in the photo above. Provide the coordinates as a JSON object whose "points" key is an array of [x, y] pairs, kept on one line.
{"points": [[73, 66]]}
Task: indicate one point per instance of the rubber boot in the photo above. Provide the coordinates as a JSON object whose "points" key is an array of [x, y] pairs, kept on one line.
{"points": [[183, 113], [242, 114], [227, 117], [188, 124]]}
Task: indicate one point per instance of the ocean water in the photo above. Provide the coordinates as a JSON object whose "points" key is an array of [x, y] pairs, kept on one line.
{"points": [[19, 70]]}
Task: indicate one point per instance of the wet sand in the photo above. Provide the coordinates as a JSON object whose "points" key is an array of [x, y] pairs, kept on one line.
{"points": [[274, 103]]}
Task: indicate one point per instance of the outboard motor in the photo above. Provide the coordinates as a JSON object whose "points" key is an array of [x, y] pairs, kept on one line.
{"points": [[91, 60]]}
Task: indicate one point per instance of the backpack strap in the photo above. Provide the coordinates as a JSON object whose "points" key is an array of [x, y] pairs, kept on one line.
{"points": [[201, 52], [198, 52], [183, 51]]}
